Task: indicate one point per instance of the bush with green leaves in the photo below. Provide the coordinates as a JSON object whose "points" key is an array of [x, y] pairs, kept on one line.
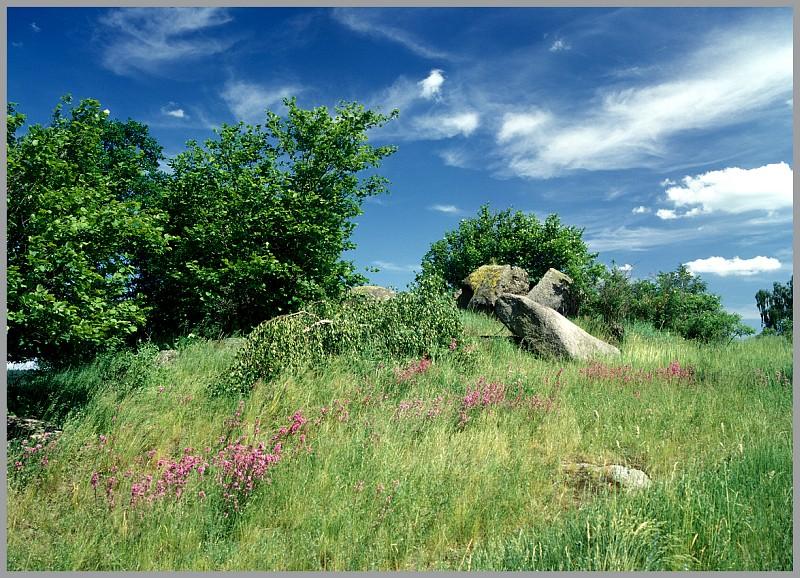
{"points": [[261, 216], [776, 308], [77, 232], [422, 321], [516, 239], [676, 301]]}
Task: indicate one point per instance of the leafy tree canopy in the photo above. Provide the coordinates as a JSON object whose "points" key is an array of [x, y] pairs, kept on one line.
{"points": [[260, 217], [76, 231], [775, 308]]}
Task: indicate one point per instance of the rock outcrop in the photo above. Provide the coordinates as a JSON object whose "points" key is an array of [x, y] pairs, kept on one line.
{"points": [[554, 290], [480, 289], [546, 332], [374, 291]]}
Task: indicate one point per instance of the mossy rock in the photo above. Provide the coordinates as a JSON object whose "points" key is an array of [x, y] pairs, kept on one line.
{"points": [[482, 287]]}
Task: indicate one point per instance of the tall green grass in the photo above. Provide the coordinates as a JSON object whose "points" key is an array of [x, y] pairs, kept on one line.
{"points": [[376, 486]]}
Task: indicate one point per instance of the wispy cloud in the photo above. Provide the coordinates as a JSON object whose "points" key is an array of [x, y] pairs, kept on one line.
{"points": [[438, 126], [640, 238], [389, 266], [148, 39], [454, 158], [35, 27], [734, 190], [559, 45], [736, 266], [448, 209], [641, 209], [730, 78], [370, 23], [249, 101]]}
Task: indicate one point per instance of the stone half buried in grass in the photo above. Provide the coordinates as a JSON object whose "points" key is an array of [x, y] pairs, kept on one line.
{"points": [[613, 475], [546, 332], [480, 289]]}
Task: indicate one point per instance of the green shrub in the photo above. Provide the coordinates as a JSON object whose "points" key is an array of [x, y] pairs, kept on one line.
{"points": [[517, 239], [422, 321], [675, 301]]}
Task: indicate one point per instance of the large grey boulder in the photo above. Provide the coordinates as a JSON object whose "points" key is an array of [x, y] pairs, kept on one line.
{"points": [[554, 290], [374, 291], [480, 289], [547, 332]]}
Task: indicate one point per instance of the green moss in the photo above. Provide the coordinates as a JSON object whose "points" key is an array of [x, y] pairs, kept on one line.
{"points": [[489, 274]]}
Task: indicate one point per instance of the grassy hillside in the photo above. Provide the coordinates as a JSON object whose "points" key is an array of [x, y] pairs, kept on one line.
{"points": [[401, 465]]}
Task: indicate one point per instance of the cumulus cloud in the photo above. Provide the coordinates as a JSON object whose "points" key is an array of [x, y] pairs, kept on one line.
{"points": [[249, 101], [731, 77], [147, 39], [626, 268], [735, 190], [446, 125], [736, 266], [666, 214], [172, 110], [449, 209], [641, 209], [559, 45], [431, 86]]}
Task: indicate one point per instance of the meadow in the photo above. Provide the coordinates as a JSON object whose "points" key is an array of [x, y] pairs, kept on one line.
{"points": [[454, 462]]}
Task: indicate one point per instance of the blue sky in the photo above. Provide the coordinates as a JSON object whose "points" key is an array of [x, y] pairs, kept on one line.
{"points": [[665, 133]]}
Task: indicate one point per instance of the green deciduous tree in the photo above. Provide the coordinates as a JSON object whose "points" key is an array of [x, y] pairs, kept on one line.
{"points": [[775, 308], [76, 231], [517, 239], [261, 216]]}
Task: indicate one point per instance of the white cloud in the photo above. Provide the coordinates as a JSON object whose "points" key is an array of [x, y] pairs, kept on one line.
{"points": [[454, 158], [446, 125], [249, 101], [35, 27], [431, 86], [172, 110], [734, 75], [735, 190], [389, 266], [736, 266], [368, 22], [666, 182], [449, 209], [641, 209], [640, 238], [521, 125], [147, 39], [666, 214], [559, 45]]}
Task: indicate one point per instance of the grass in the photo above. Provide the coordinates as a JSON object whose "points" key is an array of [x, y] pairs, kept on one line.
{"points": [[389, 477]]}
